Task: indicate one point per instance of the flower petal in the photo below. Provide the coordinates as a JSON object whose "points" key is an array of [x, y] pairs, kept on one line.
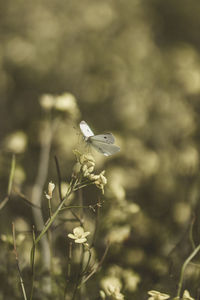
{"points": [[71, 236], [80, 241], [78, 231], [85, 234]]}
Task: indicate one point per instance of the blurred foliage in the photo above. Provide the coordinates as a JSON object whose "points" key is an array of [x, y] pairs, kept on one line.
{"points": [[131, 67]]}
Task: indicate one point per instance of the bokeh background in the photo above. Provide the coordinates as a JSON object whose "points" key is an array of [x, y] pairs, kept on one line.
{"points": [[129, 67]]}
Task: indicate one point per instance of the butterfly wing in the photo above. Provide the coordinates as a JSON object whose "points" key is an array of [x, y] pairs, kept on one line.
{"points": [[104, 148], [85, 129], [103, 143], [107, 138]]}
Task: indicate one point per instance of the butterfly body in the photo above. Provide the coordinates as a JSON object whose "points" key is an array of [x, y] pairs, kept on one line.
{"points": [[103, 143]]}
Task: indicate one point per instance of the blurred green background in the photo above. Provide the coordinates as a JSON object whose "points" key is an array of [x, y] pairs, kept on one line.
{"points": [[131, 68]]}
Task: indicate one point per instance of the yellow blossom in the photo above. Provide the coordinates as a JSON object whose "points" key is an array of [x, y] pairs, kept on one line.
{"points": [[47, 101], [155, 295], [111, 288], [79, 235], [186, 296], [16, 142]]}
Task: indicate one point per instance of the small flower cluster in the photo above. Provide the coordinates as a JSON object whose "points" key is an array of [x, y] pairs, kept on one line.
{"points": [[9, 239], [64, 103], [99, 180], [111, 288], [87, 164], [155, 295], [113, 292], [79, 235]]}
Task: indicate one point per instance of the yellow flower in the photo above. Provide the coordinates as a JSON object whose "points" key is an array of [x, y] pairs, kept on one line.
{"points": [[155, 295], [79, 235], [64, 103], [100, 181], [16, 142], [9, 239], [102, 294], [47, 101], [87, 170], [87, 164], [87, 159], [114, 292], [186, 296], [111, 288]]}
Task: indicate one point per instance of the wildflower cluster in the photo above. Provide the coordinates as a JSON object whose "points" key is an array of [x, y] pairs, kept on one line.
{"points": [[155, 295], [64, 103], [9, 239], [87, 165], [113, 292], [111, 289]]}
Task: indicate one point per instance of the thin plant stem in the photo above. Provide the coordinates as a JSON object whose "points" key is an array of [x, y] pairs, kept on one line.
{"points": [[17, 262], [69, 261], [84, 185], [11, 177], [46, 141], [75, 206], [33, 264], [25, 198], [96, 224], [10, 182], [80, 196], [68, 267], [49, 207], [88, 262], [77, 217], [78, 278], [196, 250], [53, 217], [191, 232], [50, 221], [98, 265], [59, 178]]}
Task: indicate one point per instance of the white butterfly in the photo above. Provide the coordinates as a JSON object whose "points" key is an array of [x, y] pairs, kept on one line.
{"points": [[103, 143]]}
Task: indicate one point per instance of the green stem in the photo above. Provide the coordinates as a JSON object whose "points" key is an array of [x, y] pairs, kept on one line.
{"points": [[11, 177], [17, 262], [49, 206], [191, 233], [87, 265], [82, 186], [69, 262], [51, 220], [75, 206], [196, 250], [78, 274], [33, 265]]}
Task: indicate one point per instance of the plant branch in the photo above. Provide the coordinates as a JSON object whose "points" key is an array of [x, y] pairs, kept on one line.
{"points": [[196, 250], [17, 262]]}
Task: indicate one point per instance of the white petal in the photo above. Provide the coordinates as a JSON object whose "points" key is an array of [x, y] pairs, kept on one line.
{"points": [[71, 236], [80, 241]]}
